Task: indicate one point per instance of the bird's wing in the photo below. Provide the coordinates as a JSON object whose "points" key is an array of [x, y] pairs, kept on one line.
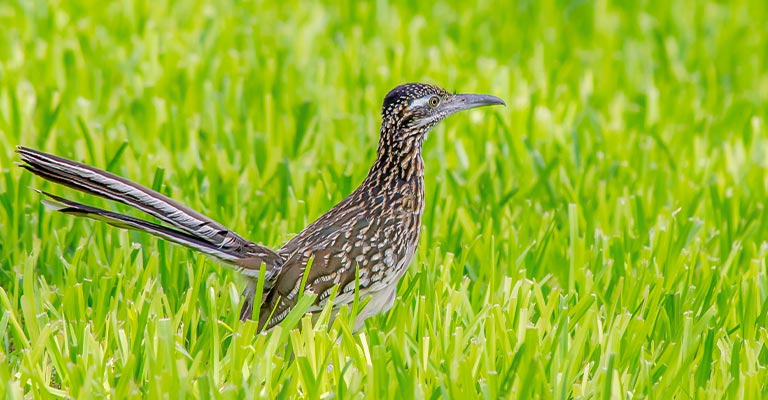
{"points": [[330, 257]]}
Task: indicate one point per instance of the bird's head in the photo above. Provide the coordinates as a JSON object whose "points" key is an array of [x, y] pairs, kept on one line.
{"points": [[412, 109]]}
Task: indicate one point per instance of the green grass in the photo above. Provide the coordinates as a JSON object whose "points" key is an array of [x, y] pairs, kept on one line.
{"points": [[603, 236]]}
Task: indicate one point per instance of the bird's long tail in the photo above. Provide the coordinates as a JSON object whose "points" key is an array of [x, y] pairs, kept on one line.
{"points": [[127, 222], [190, 228]]}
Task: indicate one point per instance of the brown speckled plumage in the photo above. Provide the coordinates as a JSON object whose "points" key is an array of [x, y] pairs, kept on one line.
{"points": [[374, 230]]}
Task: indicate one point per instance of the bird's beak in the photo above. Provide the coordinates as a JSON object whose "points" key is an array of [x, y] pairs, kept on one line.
{"points": [[461, 102]]}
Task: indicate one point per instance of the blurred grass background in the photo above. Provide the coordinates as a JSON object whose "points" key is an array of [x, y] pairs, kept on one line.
{"points": [[603, 236]]}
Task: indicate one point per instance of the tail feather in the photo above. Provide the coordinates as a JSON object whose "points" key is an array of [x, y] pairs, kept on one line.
{"points": [[190, 228], [126, 222], [107, 185]]}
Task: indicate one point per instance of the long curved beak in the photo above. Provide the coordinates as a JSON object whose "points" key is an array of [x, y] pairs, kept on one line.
{"points": [[461, 102]]}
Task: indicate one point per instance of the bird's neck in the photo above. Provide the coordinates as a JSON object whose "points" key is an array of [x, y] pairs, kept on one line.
{"points": [[396, 179], [399, 161]]}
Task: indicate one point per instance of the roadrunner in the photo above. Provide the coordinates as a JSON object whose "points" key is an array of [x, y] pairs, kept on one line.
{"points": [[371, 234]]}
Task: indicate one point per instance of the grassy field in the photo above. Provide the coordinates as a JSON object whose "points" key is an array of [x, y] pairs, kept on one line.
{"points": [[603, 236]]}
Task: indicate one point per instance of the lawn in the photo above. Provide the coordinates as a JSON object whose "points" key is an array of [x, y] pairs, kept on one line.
{"points": [[603, 236]]}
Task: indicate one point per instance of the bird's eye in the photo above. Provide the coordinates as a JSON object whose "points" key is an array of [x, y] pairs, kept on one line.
{"points": [[434, 101]]}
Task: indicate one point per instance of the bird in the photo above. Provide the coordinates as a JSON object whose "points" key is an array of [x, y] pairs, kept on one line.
{"points": [[363, 244]]}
